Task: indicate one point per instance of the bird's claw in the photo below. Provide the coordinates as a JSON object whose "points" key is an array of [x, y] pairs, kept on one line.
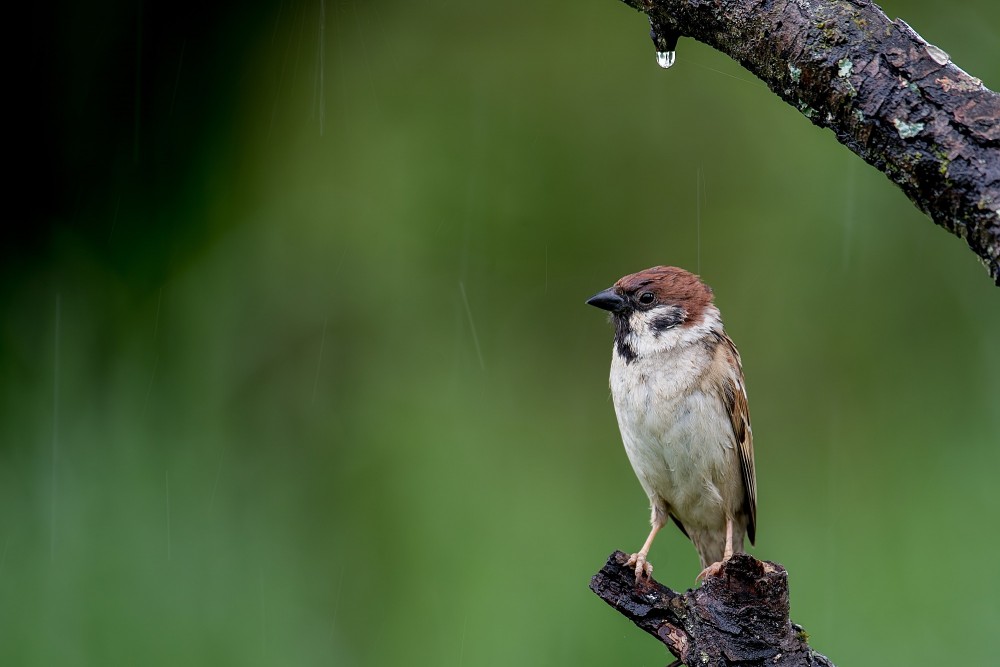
{"points": [[642, 566], [712, 570]]}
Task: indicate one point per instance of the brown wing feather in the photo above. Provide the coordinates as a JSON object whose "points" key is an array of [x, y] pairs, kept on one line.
{"points": [[680, 525], [739, 415]]}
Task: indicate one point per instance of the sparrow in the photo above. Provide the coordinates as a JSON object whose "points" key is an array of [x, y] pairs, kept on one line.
{"points": [[678, 390]]}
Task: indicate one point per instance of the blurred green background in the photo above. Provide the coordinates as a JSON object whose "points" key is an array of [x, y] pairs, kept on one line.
{"points": [[295, 367]]}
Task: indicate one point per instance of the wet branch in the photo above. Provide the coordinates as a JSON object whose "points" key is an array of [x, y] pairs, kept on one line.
{"points": [[888, 95], [739, 617]]}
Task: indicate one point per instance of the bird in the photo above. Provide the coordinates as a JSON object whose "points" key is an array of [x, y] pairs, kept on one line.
{"points": [[679, 394]]}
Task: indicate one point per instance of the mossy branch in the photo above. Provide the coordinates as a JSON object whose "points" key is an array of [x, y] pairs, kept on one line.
{"points": [[888, 95]]}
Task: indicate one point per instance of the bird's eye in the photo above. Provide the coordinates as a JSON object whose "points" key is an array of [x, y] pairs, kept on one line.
{"points": [[646, 298]]}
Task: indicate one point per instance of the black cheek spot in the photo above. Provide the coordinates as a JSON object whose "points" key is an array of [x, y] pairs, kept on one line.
{"points": [[667, 321]]}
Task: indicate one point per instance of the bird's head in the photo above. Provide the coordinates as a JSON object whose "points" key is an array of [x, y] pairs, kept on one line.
{"points": [[657, 309]]}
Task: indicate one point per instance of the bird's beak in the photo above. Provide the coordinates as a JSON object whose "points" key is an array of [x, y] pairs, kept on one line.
{"points": [[607, 300]]}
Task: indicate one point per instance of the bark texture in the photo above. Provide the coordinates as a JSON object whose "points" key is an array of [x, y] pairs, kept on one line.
{"points": [[737, 618], [888, 95]]}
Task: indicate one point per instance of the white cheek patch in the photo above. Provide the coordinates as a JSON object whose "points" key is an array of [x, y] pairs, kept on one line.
{"points": [[656, 321], [662, 328]]}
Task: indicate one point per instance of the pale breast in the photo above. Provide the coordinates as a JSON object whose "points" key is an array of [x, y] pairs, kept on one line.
{"points": [[677, 436]]}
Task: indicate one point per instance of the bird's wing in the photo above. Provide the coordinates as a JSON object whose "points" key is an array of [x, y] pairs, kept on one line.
{"points": [[680, 525], [735, 395]]}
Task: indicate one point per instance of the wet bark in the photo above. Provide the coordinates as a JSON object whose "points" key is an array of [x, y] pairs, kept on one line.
{"points": [[888, 95], [737, 618]]}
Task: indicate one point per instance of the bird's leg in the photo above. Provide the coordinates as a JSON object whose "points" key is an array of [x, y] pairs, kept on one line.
{"points": [[714, 569], [638, 560], [728, 552]]}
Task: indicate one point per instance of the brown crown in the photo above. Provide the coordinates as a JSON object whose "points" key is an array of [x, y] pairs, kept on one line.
{"points": [[670, 285]]}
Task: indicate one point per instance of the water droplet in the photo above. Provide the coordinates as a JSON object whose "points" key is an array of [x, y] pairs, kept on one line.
{"points": [[665, 59], [664, 42]]}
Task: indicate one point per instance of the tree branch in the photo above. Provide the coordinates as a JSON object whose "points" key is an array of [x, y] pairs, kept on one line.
{"points": [[739, 617], [888, 95]]}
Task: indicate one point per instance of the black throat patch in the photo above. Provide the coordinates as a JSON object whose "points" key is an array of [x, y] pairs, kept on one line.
{"points": [[622, 330]]}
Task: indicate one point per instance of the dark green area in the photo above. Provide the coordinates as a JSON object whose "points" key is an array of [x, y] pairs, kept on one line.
{"points": [[295, 367]]}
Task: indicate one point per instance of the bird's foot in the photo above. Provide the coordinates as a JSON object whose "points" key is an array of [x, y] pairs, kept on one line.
{"points": [[642, 566], [712, 570]]}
